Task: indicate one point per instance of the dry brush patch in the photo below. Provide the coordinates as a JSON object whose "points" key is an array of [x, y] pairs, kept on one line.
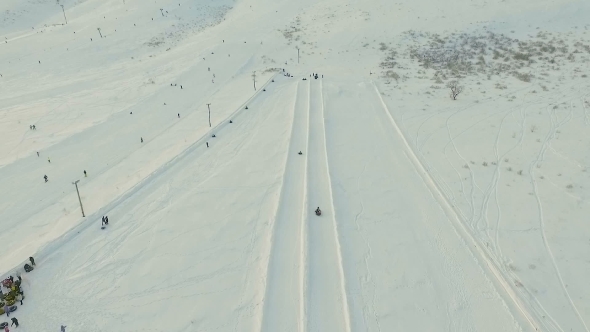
{"points": [[460, 55]]}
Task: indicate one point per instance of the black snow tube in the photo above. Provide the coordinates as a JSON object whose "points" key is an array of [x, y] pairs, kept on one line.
{"points": [[12, 308], [3, 325], [28, 268]]}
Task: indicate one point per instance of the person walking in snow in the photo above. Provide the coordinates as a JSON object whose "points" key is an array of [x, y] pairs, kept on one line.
{"points": [[48, 160], [63, 328], [45, 177], [179, 115], [37, 153], [14, 321], [106, 220], [32, 260], [7, 310], [207, 144], [141, 139], [85, 175]]}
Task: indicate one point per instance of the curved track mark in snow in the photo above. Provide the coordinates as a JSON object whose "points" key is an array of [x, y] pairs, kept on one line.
{"points": [[451, 212]]}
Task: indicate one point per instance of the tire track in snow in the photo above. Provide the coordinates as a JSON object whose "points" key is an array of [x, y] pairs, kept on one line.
{"points": [[450, 211], [327, 302], [283, 295], [555, 125]]}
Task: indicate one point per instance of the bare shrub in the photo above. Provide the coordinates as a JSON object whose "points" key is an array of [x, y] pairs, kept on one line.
{"points": [[519, 172], [485, 163], [391, 74], [525, 77], [522, 56], [456, 89], [569, 186]]}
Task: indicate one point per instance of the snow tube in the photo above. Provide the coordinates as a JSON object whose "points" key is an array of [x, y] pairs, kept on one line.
{"points": [[3, 325], [28, 268], [12, 308], [318, 213]]}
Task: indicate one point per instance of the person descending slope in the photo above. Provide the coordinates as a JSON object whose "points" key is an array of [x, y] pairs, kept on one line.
{"points": [[45, 177], [318, 212], [63, 328]]}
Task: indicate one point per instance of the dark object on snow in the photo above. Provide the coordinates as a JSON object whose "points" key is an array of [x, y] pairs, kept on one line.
{"points": [[63, 327], [28, 268], [45, 177], [246, 107], [32, 260], [207, 144], [14, 321], [318, 212], [263, 89], [300, 153], [179, 115], [273, 81], [85, 175], [213, 135], [142, 140], [37, 153], [3, 325], [230, 121]]}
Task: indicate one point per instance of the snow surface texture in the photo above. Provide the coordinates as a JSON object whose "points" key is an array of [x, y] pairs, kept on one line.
{"points": [[438, 215]]}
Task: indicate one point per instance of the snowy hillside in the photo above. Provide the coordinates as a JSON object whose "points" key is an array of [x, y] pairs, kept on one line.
{"points": [[188, 117]]}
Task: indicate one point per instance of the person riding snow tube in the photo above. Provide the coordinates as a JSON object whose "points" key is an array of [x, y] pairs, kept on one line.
{"points": [[318, 212]]}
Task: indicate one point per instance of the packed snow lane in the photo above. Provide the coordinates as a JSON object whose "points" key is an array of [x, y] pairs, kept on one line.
{"points": [[283, 301], [327, 305], [406, 267], [188, 244]]}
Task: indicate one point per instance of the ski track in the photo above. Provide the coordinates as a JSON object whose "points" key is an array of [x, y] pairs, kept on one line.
{"points": [[453, 215], [492, 188], [327, 303], [282, 309], [555, 125]]}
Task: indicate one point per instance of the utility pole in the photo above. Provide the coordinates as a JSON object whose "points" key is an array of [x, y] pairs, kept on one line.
{"points": [[254, 77], [161, 11], [297, 54], [209, 107], [79, 200], [99, 32], [64, 11]]}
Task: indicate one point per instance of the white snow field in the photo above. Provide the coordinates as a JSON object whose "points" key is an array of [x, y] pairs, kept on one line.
{"points": [[437, 214]]}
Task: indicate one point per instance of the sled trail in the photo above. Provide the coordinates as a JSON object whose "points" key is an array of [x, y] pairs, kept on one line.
{"points": [[327, 304]]}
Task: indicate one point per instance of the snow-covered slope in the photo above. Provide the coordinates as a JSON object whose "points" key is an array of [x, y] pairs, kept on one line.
{"points": [[438, 215]]}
